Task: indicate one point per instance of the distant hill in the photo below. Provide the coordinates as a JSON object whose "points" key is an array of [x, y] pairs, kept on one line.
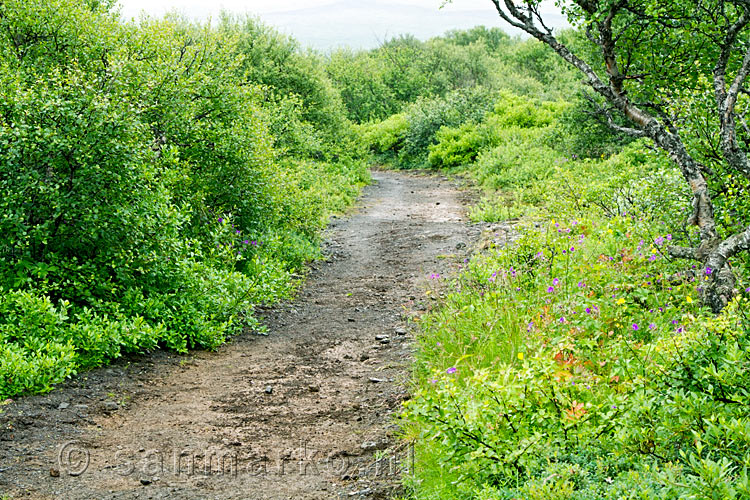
{"points": [[364, 24]]}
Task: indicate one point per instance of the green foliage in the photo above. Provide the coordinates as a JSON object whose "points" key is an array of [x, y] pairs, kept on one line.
{"points": [[307, 114], [378, 83], [502, 141], [386, 137], [427, 116], [515, 111], [494, 39], [517, 160], [456, 146], [571, 356], [580, 131], [158, 180], [577, 362]]}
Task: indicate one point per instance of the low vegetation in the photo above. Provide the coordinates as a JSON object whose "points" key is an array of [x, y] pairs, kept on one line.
{"points": [[580, 362], [161, 178], [158, 179]]}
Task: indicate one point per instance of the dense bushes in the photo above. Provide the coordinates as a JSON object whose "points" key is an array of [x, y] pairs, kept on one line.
{"points": [[577, 363], [376, 84], [157, 180]]}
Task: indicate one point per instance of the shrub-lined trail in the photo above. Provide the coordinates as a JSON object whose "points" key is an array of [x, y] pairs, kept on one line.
{"points": [[302, 413]]}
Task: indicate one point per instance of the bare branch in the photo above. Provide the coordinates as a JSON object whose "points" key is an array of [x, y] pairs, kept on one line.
{"points": [[726, 99], [728, 248], [625, 130], [681, 252], [739, 79]]}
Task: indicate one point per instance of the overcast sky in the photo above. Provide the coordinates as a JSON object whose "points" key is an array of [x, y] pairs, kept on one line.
{"points": [[325, 24], [202, 7]]}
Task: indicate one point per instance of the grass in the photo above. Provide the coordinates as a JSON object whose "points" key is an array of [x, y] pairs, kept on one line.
{"points": [[566, 366]]}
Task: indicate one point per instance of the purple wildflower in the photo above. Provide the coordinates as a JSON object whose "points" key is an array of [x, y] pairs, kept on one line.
{"points": [[451, 370]]}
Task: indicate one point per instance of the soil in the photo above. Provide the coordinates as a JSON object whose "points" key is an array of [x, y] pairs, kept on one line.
{"points": [[307, 412]]}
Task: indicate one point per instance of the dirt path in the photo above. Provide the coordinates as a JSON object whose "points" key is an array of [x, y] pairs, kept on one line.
{"points": [[306, 412]]}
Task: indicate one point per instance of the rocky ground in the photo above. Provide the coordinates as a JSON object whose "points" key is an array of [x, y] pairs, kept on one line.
{"points": [[306, 412]]}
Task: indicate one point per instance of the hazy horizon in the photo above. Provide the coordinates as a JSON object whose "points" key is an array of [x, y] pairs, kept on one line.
{"points": [[327, 24]]}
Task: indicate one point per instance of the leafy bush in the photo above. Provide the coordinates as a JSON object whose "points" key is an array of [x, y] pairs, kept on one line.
{"points": [[427, 116], [456, 146], [151, 192], [511, 110], [518, 161], [579, 131], [578, 364], [385, 138], [570, 366]]}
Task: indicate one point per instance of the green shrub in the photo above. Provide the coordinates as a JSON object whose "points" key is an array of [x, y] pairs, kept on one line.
{"points": [[456, 146], [580, 131], [427, 116], [517, 111], [385, 138], [578, 364], [158, 179], [518, 161], [571, 357]]}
